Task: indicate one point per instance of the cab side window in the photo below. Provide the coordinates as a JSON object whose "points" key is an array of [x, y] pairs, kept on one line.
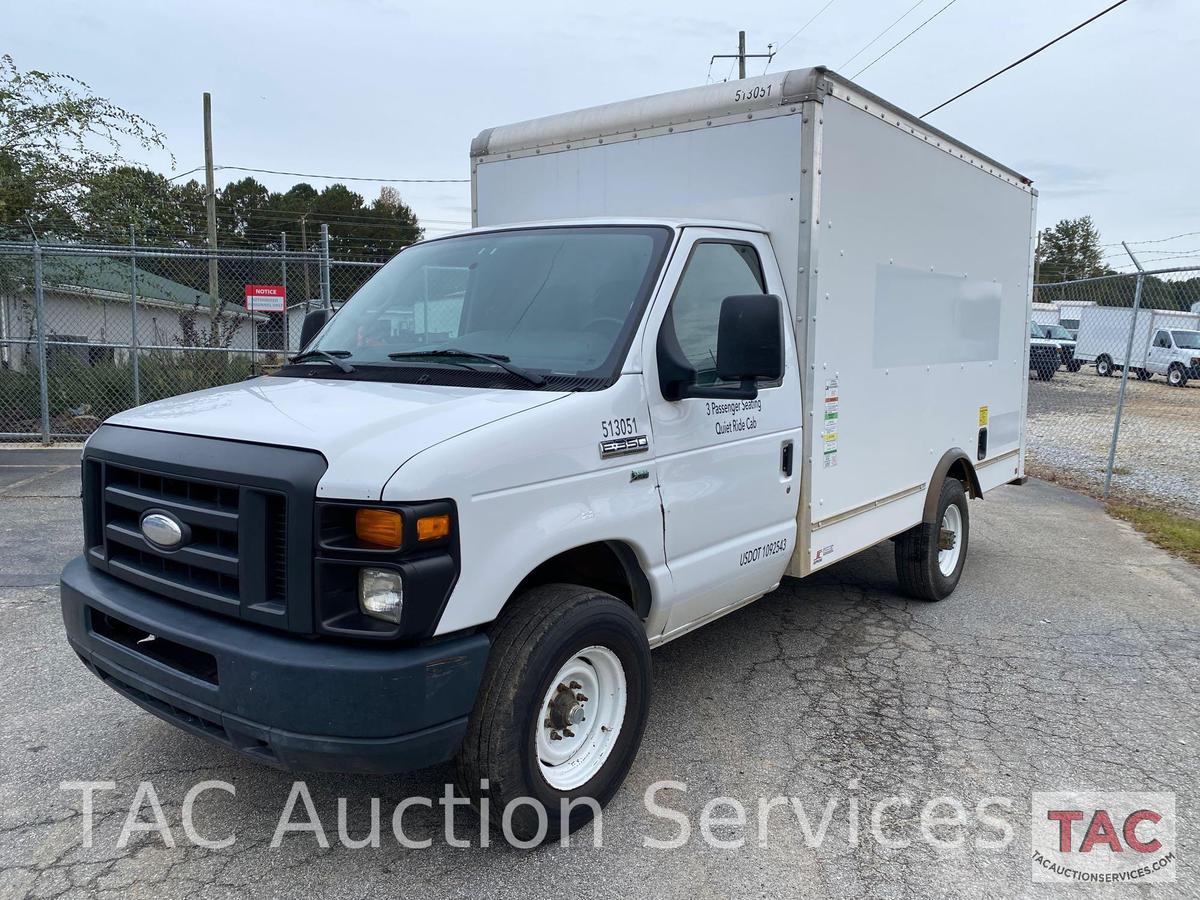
{"points": [[1162, 339], [715, 270]]}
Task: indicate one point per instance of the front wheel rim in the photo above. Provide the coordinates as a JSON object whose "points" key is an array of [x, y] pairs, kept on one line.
{"points": [[580, 718], [952, 521]]}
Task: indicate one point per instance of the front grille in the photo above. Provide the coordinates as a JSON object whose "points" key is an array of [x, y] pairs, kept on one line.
{"points": [[247, 508], [235, 558]]}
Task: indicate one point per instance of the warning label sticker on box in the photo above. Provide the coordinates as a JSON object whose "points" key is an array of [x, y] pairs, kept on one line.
{"points": [[829, 424]]}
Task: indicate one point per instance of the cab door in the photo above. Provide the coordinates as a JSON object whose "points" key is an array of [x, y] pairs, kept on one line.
{"points": [[1161, 352], [727, 468]]}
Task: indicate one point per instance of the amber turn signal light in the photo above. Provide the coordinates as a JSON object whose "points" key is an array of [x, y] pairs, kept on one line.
{"points": [[430, 528], [379, 526]]}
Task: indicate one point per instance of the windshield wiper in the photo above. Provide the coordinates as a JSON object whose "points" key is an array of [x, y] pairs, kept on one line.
{"points": [[329, 356], [498, 359]]}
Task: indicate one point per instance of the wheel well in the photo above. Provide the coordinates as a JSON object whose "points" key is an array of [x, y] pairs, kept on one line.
{"points": [[609, 566], [953, 464]]}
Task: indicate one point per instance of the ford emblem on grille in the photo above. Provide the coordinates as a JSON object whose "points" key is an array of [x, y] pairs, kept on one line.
{"points": [[163, 530]]}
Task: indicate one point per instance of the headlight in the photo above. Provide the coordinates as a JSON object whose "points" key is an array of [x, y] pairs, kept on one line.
{"points": [[381, 593]]}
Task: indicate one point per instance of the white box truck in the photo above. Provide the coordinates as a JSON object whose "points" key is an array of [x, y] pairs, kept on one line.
{"points": [[1165, 342], [697, 342]]}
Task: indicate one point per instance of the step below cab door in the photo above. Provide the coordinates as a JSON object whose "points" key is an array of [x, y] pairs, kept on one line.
{"points": [[728, 468]]}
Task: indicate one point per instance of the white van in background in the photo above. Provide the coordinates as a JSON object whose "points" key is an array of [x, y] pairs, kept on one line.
{"points": [[1165, 342]]}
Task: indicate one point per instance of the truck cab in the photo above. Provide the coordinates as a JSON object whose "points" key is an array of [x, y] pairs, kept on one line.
{"points": [[1175, 353]]}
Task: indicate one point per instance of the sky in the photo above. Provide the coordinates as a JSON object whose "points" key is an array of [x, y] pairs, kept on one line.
{"points": [[1104, 122]]}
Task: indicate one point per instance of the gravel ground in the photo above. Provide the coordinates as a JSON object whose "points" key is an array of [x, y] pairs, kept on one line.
{"points": [[1070, 425], [1066, 659]]}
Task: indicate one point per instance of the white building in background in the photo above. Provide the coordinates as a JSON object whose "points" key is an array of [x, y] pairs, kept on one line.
{"points": [[89, 315]]}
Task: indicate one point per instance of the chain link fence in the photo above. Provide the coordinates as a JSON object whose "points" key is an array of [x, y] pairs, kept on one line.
{"points": [[89, 330], [1114, 392]]}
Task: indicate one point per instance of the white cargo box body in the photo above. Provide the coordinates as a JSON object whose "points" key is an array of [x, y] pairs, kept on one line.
{"points": [[1045, 313], [1104, 331], [906, 258]]}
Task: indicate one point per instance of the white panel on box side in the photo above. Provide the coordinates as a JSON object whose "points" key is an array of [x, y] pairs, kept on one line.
{"points": [[921, 303], [747, 172]]}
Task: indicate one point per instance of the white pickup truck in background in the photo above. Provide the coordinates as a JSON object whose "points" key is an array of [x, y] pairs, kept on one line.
{"points": [[1165, 342], [696, 343]]}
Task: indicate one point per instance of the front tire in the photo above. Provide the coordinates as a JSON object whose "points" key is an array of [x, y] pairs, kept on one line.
{"points": [[561, 710], [1104, 366], [1176, 376], [926, 567]]}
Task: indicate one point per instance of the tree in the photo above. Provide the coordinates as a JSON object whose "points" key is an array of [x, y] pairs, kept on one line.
{"points": [[128, 195], [1070, 250], [55, 136], [240, 208]]}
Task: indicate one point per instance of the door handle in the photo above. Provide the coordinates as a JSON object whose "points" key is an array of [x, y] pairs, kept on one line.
{"points": [[785, 458]]}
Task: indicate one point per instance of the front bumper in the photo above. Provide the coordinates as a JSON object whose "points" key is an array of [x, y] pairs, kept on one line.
{"points": [[298, 703]]}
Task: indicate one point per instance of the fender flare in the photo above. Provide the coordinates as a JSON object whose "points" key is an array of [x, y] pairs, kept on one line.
{"points": [[954, 460]]}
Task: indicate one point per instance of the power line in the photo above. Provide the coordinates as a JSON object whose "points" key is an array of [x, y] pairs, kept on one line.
{"points": [[871, 42], [1026, 57], [330, 177], [903, 39], [800, 30]]}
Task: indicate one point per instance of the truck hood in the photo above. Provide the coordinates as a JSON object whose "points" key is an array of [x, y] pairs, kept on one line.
{"points": [[365, 430]]}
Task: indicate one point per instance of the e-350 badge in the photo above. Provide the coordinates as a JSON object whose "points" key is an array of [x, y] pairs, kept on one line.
{"points": [[635, 443]]}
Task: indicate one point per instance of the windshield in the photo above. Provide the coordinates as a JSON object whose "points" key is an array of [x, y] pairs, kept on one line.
{"points": [[1187, 340], [1058, 333], [551, 301], [1036, 330]]}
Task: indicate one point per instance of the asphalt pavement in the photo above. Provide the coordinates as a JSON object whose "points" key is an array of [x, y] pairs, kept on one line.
{"points": [[1067, 659]]}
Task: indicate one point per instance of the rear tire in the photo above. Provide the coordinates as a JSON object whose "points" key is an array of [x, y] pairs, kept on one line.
{"points": [[1176, 376], [924, 569], [526, 698], [1104, 366]]}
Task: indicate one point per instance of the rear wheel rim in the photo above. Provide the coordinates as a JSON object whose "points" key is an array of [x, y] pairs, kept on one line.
{"points": [[575, 737], [952, 521]]}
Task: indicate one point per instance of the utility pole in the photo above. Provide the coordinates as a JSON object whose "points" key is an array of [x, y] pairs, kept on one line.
{"points": [[741, 56], [210, 204], [304, 247]]}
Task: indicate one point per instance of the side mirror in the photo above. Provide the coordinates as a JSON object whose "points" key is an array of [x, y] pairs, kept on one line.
{"points": [[749, 347], [313, 323], [750, 338]]}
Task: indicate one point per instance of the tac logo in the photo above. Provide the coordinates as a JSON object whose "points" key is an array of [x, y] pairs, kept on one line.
{"points": [[1103, 837]]}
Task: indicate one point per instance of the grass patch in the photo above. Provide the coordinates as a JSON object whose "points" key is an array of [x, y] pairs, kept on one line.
{"points": [[1173, 532]]}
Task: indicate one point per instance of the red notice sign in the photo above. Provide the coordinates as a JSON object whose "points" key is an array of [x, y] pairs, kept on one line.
{"points": [[266, 298]]}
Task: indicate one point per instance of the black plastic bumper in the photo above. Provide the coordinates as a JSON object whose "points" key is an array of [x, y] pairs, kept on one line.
{"points": [[301, 704]]}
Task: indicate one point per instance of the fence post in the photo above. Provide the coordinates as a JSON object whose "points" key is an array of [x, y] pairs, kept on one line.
{"points": [[287, 316], [326, 288], [133, 320], [1137, 302], [39, 313]]}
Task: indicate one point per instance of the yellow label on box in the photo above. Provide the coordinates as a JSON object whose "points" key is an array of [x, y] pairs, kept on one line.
{"points": [[983, 417]]}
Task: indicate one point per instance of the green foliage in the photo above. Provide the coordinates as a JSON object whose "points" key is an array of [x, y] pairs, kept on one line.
{"points": [[61, 164], [101, 390], [55, 136], [128, 195], [1070, 250]]}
